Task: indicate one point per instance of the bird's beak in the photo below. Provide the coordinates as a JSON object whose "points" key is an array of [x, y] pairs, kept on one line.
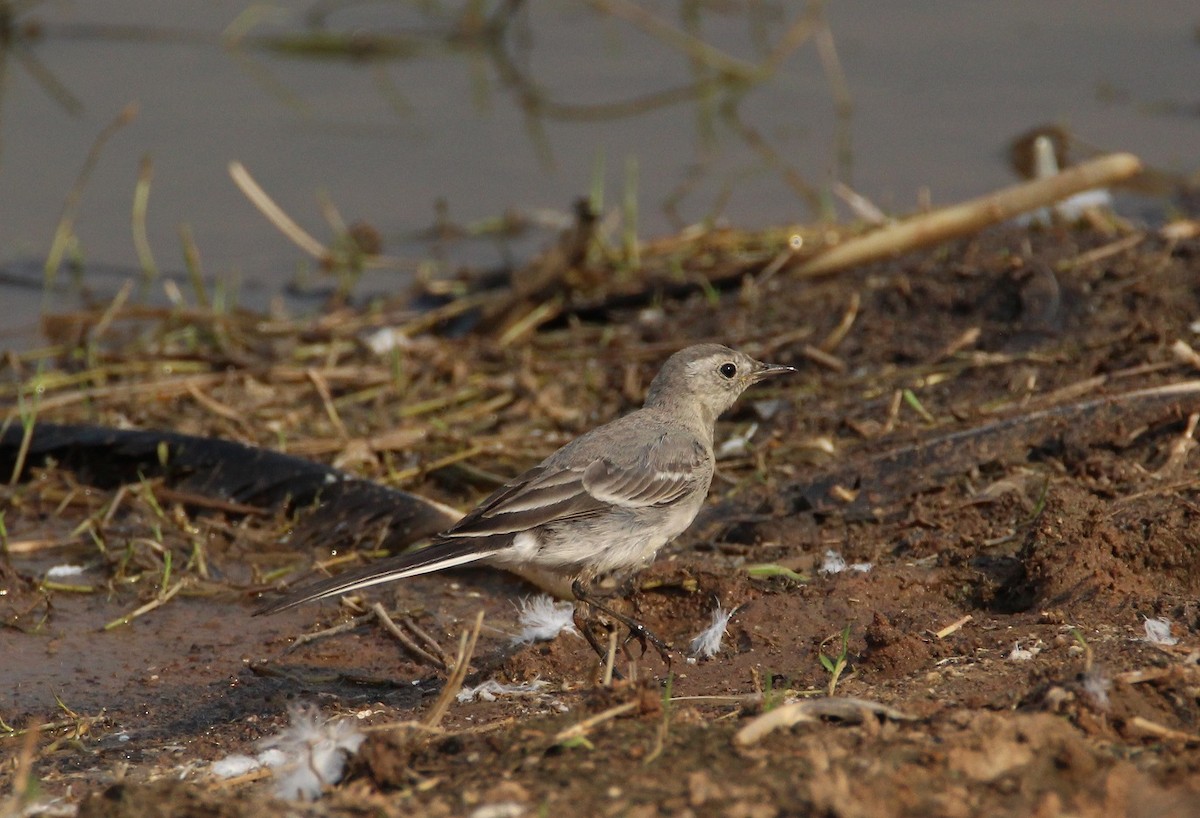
{"points": [[762, 370]]}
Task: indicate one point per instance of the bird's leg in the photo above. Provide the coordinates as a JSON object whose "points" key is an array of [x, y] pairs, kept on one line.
{"points": [[584, 625], [636, 629]]}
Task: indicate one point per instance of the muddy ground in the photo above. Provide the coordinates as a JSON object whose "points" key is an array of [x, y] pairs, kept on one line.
{"points": [[978, 422]]}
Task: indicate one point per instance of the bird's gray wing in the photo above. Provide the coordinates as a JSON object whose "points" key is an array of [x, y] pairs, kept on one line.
{"points": [[667, 471], [660, 472]]}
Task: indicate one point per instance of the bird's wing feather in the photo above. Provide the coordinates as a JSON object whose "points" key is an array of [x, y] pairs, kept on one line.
{"points": [[658, 473], [540, 496], [637, 487]]}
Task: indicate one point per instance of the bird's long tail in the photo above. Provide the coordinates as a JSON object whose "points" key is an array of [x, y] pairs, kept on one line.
{"points": [[440, 555]]}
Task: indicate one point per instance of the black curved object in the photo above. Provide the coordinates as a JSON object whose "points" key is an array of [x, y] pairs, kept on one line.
{"points": [[341, 509]]}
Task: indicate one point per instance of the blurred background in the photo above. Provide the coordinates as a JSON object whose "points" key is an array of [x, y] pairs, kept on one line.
{"points": [[463, 132]]}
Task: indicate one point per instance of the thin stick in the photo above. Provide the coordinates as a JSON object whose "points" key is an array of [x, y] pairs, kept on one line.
{"points": [[953, 627], [305, 638], [148, 607], [110, 313], [421, 634], [404, 639], [610, 659], [141, 199], [213, 405], [971, 216], [26, 441], [466, 648], [839, 333], [582, 728], [274, 213], [331, 411]]}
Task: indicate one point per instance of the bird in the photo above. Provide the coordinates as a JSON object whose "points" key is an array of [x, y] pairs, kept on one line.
{"points": [[605, 502]]}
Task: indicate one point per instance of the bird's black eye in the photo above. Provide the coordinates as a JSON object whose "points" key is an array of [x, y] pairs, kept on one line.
{"points": [[728, 370]]}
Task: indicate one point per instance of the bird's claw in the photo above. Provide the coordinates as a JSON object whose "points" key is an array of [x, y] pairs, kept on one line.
{"points": [[645, 636]]}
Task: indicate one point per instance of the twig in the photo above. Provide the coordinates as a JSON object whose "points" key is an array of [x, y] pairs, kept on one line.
{"points": [[909, 468], [157, 602], [839, 333], [953, 627], [610, 659], [213, 405], [404, 639], [971, 216], [274, 213], [1144, 726], [420, 633], [581, 729], [23, 769], [466, 648], [1100, 253], [331, 411], [305, 638], [111, 312]]}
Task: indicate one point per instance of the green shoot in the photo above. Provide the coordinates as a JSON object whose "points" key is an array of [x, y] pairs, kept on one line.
{"points": [[770, 697], [1088, 656], [835, 666], [915, 404]]}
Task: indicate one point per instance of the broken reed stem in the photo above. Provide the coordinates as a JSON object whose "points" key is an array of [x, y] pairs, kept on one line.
{"points": [[466, 649], [970, 216], [274, 213], [141, 202]]}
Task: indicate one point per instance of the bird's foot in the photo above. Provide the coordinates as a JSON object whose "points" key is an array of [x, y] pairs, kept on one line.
{"points": [[637, 631], [643, 635]]}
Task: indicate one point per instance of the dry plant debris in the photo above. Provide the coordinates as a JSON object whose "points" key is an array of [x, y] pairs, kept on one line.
{"points": [[1001, 425]]}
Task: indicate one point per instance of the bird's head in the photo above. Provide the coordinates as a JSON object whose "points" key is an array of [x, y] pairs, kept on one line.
{"points": [[708, 376]]}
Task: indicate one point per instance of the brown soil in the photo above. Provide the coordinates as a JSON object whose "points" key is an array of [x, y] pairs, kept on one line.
{"points": [[1008, 490]]}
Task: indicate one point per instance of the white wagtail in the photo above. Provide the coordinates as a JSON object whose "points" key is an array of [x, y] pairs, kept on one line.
{"points": [[606, 501]]}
